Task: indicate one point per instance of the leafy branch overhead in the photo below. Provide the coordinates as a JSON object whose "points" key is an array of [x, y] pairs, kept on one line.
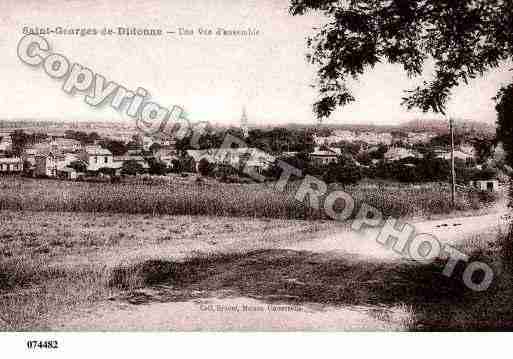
{"points": [[465, 38]]}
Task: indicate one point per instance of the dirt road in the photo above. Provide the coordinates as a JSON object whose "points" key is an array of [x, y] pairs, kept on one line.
{"points": [[222, 311], [363, 243]]}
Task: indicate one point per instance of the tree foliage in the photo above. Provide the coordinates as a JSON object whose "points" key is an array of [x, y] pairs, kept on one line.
{"points": [[79, 166], [273, 140], [107, 171], [344, 172], [20, 140], [117, 148], [205, 168], [157, 167], [504, 109], [463, 38], [483, 148], [132, 168], [83, 137]]}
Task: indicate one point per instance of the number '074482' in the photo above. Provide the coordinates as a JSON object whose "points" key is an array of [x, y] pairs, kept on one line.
{"points": [[42, 344]]}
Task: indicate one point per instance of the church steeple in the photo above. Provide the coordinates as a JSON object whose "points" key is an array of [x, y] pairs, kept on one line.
{"points": [[244, 123]]}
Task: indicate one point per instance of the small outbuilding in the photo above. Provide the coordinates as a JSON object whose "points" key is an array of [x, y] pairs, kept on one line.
{"points": [[11, 165], [490, 185]]}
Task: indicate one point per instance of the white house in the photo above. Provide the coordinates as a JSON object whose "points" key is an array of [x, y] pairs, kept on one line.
{"points": [[490, 185], [446, 155], [233, 157], [97, 157], [324, 156], [399, 153], [419, 137], [11, 165], [65, 145]]}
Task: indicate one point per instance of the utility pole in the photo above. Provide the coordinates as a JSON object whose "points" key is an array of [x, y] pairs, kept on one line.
{"points": [[453, 173]]}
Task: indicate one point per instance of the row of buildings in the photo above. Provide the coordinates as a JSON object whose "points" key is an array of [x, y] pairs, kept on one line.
{"points": [[8, 164], [62, 157], [372, 138], [400, 153], [58, 156], [325, 155], [252, 159]]}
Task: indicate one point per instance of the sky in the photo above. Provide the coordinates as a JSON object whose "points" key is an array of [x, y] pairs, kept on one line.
{"points": [[211, 77]]}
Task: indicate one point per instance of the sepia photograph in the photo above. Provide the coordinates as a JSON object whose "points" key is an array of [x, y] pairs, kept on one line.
{"points": [[255, 166]]}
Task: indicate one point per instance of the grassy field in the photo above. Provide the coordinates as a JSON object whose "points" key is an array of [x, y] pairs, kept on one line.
{"points": [[55, 264], [52, 263], [67, 245], [408, 295], [178, 196]]}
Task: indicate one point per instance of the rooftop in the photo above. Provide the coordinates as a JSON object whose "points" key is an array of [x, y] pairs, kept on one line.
{"points": [[97, 151], [10, 160]]}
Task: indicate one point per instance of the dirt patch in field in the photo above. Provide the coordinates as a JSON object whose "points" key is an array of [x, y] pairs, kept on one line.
{"points": [[298, 277]]}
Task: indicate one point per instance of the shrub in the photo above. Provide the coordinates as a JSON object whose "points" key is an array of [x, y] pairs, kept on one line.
{"points": [[107, 171], [344, 173], [132, 168], [223, 172], [177, 166], [205, 168], [79, 166], [157, 167]]}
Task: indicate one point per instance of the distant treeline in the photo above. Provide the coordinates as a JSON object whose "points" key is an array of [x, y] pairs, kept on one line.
{"points": [[416, 125]]}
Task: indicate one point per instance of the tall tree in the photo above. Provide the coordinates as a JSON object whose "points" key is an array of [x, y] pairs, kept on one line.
{"points": [[19, 141], [505, 121], [464, 38], [483, 147], [118, 148]]}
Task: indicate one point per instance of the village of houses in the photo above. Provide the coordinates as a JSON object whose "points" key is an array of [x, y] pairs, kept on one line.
{"points": [[56, 156], [52, 157]]}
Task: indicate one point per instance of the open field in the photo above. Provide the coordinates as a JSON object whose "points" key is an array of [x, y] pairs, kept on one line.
{"points": [[114, 271], [53, 262], [178, 196], [66, 247]]}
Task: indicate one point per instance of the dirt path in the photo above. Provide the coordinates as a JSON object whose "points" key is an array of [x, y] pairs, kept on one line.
{"points": [[363, 243], [212, 312]]}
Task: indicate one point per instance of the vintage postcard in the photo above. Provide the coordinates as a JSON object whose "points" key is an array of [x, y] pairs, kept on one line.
{"points": [[241, 165]]}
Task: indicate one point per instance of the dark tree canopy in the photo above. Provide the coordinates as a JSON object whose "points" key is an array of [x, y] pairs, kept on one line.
{"points": [[132, 167], [505, 121], [79, 166], [464, 38], [205, 168], [19, 139], [118, 148]]}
